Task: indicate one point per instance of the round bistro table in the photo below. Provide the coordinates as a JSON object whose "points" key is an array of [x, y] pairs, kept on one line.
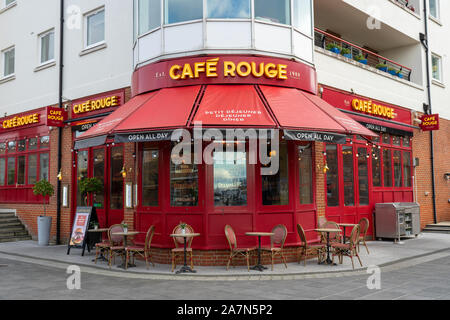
{"points": [[345, 225], [125, 235], [185, 268], [259, 266]]}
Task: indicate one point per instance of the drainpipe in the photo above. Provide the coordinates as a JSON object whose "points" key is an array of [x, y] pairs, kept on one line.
{"points": [[60, 129], [424, 41]]}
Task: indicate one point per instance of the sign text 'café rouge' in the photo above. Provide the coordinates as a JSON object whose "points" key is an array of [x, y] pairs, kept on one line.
{"points": [[210, 69]]}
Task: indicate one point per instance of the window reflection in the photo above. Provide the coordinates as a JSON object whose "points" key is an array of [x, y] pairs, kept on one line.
{"points": [[99, 173], [397, 168], [387, 169], [45, 142], [82, 172], [376, 168], [149, 15], [305, 174], [32, 168], [2, 148], [406, 169], [116, 192], [11, 146], [230, 179], [184, 184], [273, 11], [182, 10], [2, 171], [21, 170], [226, 9], [150, 169], [332, 176], [363, 177], [349, 192], [11, 171], [43, 170], [275, 188]]}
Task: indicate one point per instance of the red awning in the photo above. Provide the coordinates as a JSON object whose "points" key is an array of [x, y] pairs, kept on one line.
{"points": [[153, 116], [295, 109], [384, 125], [233, 105]]}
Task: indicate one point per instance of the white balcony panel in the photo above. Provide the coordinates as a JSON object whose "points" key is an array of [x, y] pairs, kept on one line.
{"points": [[272, 38], [228, 35], [303, 47], [373, 84], [183, 38], [150, 46]]}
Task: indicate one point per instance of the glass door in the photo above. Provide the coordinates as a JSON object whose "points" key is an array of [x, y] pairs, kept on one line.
{"points": [[116, 185]]}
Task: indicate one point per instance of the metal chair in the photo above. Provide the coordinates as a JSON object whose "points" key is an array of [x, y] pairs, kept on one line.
{"points": [[348, 249], [143, 251], [179, 245], [307, 249], [234, 250], [277, 242], [363, 227]]}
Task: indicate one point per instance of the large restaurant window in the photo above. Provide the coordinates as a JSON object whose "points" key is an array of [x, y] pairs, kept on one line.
{"points": [[407, 169], [305, 174], [182, 10], [376, 168], [116, 192], [228, 9], [332, 176], [397, 157], [273, 11], [363, 177], [275, 188], [184, 184], [82, 173], [387, 168], [230, 178], [23, 161], [349, 190], [99, 173], [150, 185]]}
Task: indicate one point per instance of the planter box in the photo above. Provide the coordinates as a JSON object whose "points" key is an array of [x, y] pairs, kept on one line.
{"points": [[393, 72], [364, 61], [348, 55], [385, 69], [335, 50]]}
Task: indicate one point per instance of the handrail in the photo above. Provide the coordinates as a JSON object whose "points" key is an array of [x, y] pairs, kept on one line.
{"points": [[362, 49]]}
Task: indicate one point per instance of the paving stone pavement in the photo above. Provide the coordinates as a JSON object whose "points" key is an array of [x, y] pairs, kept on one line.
{"points": [[423, 279]]}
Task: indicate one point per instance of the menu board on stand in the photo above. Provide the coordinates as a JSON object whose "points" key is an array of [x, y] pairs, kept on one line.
{"points": [[84, 216]]}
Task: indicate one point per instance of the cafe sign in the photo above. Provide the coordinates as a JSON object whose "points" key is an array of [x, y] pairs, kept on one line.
{"points": [[96, 104], [430, 122], [21, 121], [55, 117], [372, 108]]}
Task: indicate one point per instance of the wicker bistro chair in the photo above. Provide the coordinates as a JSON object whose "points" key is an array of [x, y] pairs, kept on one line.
{"points": [[309, 250], [113, 246], [277, 242], [334, 236], [179, 246], [363, 227], [321, 221], [143, 251], [348, 249], [234, 250]]}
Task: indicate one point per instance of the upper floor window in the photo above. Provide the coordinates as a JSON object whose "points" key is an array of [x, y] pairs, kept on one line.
{"points": [[226, 9], [273, 11], [182, 10], [436, 63], [303, 16], [47, 46], [7, 3], [434, 9], [95, 27], [149, 15], [8, 61]]}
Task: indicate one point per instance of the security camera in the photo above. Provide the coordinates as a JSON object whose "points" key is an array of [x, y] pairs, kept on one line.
{"points": [[417, 120]]}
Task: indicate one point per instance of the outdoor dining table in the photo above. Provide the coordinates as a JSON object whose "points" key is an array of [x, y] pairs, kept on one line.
{"points": [[185, 268], [259, 266], [328, 231], [99, 230], [125, 235], [344, 225]]}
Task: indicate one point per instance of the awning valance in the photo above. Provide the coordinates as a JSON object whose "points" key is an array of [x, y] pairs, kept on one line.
{"points": [[153, 116]]}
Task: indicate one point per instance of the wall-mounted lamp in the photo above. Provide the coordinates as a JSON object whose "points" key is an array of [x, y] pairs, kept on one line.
{"points": [[59, 176], [123, 172], [447, 176]]}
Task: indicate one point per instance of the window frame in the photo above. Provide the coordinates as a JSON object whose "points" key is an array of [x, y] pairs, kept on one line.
{"points": [[438, 10], [3, 62], [86, 16], [40, 39], [439, 58]]}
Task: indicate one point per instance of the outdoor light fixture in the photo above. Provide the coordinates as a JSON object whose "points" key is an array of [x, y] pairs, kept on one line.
{"points": [[123, 172], [59, 176]]}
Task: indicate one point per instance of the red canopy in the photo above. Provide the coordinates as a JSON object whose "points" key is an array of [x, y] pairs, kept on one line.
{"points": [[152, 116]]}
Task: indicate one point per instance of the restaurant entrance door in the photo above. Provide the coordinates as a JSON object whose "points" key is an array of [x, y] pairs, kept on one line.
{"points": [[348, 182], [104, 163]]}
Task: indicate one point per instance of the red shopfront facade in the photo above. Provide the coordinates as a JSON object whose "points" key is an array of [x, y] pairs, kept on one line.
{"points": [[236, 92], [25, 153], [361, 174], [104, 162]]}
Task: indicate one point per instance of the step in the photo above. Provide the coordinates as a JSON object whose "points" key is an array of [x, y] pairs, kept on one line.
{"points": [[11, 224], [8, 234], [6, 220], [436, 230], [4, 229], [15, 239], [7, 215]]}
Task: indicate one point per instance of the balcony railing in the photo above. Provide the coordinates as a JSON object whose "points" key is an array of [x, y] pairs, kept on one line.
{"points": [[349, 50], [407, 4]]}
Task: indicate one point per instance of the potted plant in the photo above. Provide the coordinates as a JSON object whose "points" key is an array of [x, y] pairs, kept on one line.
{"points": [[125, 227], [392, 71], [89, 186], [346, 52], [333, 47], [361, 59], [382, 67], [45, 189], [183, 227]]}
